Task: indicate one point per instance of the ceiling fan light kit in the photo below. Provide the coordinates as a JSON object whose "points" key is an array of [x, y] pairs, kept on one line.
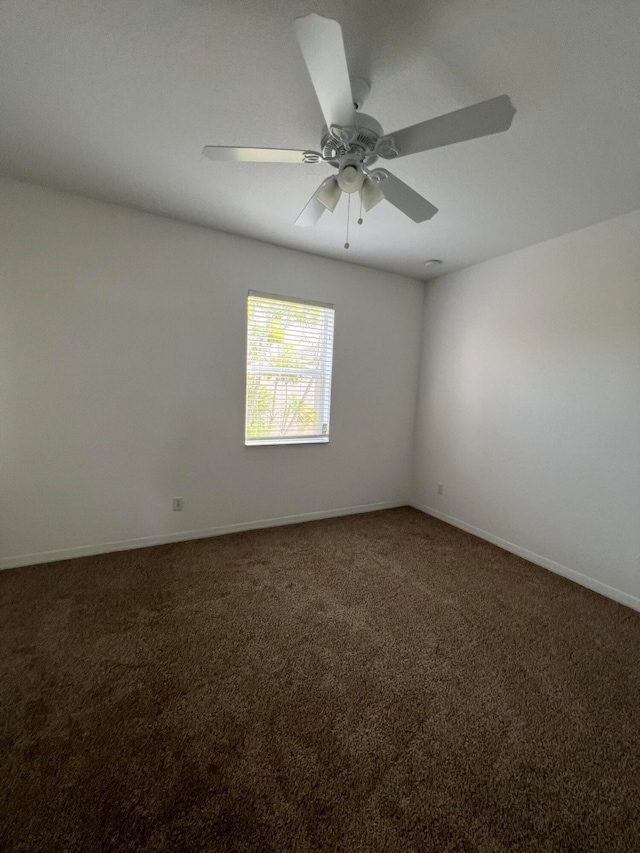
{"points": [[352, 142], [328, 193], [370, 195], [350, 176]]}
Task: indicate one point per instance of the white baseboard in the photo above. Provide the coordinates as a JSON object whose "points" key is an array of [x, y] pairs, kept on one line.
{"points": [[573, 575], [184, 536]]}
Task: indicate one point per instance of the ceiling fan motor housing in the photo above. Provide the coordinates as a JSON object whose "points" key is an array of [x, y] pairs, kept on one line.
{"points": [[359, 141]]}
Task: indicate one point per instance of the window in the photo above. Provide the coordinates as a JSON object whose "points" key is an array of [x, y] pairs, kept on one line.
{"points": [[289, 354]]}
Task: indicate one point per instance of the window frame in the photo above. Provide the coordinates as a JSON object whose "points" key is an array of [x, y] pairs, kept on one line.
{"points": [[327, 375]]}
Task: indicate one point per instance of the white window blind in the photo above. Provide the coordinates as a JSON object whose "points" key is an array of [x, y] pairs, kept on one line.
{"points": [[289, 355]]}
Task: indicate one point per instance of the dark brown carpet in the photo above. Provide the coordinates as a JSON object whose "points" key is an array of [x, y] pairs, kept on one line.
{"points": [[381, 682]]}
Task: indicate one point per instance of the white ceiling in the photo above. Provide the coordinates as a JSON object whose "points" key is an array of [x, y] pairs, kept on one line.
{"points": [[114, 100]]}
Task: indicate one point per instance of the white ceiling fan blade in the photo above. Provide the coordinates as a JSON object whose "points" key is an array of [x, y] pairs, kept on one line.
{"points": [[322, 47], [311, 212], [324, 198], [403, 197], [370, 195], [260, 155], [483, 119]]}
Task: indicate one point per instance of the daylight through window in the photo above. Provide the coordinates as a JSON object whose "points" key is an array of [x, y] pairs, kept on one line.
{"points": [[289, 354]]}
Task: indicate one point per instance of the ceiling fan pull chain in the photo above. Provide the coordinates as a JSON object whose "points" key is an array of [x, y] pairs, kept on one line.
{"points": [[346, 245], [360, 217]]}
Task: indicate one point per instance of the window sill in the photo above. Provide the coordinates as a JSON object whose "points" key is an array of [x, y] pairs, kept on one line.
{"points": [[263, 442]]}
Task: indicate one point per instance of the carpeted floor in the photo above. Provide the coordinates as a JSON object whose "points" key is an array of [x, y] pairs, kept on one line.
{"points": [[381, 682]]}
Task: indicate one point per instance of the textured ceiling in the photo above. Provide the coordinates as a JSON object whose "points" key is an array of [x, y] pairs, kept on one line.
{"points": [[115, 101]]}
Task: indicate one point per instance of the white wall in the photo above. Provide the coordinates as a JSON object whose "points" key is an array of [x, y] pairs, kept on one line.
{"points": [[122, 357], [529, 404]]}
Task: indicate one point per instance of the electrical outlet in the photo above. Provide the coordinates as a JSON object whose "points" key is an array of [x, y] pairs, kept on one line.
{"points": [[440, 489], [177, 504]]}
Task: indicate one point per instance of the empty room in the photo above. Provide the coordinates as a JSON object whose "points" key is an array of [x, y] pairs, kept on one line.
{"points": [[320, 426]]}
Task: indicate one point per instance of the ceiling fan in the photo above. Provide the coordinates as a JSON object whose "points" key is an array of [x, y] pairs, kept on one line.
{"points": [[352, 142]]}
